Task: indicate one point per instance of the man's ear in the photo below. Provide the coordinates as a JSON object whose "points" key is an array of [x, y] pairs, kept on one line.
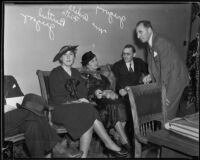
{"points": [[122, 55], [149, 30]]}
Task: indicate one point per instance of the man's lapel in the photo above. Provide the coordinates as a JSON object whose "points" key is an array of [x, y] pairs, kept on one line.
{"points": [[154, 38], [155, 65]]}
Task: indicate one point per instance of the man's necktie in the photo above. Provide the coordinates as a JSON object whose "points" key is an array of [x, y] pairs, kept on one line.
{"points": [[150, 49], [130, 68]]}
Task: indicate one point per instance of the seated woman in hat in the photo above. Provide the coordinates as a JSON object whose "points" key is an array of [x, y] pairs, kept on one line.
{"points": [[72, 110], [100, 91]]}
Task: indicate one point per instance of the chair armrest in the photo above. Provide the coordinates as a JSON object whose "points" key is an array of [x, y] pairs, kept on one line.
{"points": [[141, 138]]}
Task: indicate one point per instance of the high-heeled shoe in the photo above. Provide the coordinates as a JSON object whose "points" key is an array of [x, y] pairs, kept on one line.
{"points": [[127, 146], [118, 154], [130, 149]]}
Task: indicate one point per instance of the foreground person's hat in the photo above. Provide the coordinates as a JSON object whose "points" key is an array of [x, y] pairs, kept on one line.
{"points": [[34, 103], [63, 50]]}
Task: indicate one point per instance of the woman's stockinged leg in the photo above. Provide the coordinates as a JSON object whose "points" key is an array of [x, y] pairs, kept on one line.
{"points": [[85, 141], [119, 126], [102, 133]]}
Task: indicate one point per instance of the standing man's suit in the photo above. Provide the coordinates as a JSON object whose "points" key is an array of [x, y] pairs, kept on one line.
{"points": [[168, 68]]}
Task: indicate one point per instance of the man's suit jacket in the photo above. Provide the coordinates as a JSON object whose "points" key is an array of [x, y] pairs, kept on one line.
{"points": [[167, 67], [126, 78]]}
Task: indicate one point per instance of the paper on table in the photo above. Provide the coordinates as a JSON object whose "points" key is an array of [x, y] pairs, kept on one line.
{"points": [[181, 130], [11, 103], [184, 134], [187, 126], [8, 108]]}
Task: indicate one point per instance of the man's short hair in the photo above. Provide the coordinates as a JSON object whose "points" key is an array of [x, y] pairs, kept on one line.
{"points": [[129, 46], [146, 23]]}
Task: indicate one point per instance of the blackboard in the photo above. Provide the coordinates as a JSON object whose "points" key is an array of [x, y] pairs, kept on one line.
{"points": [[34, 33]]}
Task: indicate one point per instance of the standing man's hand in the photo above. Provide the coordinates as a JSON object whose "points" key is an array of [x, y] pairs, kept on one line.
{"points": [[98, 93], [167, 102], [122, 92], [147, 79]]}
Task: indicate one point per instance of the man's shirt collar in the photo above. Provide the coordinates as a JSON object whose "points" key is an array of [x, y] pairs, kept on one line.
{"points": [[128, 64], [150, 40]]}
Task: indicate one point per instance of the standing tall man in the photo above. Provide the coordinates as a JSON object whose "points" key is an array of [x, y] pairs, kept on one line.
{"points": [[165, 65]]}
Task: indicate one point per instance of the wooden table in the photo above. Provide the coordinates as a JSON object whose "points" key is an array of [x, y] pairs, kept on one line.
{"points": [[174, 145]]}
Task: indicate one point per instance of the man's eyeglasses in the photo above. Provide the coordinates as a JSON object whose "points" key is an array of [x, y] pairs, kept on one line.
{"points": [[126, 54]]}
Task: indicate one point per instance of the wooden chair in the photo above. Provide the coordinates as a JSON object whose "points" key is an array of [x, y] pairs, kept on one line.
{"points": [[15, 138], [148, 112], [9, 143], [43, 77]]}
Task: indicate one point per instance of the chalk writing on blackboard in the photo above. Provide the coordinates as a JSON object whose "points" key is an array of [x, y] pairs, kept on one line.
{"points": [[50, 16], [74, 13], [111, 16], [68, 14], [77, 11], [99, 29], [50, 26]]}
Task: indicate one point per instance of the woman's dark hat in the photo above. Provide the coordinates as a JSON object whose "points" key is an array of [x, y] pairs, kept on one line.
{"points": [[63, 50], [33, 103], [87, 57]]}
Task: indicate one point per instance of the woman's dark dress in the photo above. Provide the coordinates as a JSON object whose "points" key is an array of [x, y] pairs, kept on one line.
{"points": [[114, 109], [77, 118]]}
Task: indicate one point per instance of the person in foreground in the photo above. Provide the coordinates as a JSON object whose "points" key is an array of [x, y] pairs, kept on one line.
{"points": [[68, 94], [107, 100], [40, 138], [165, 65]]}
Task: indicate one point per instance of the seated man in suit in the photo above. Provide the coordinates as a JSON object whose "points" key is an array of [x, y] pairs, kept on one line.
{"points": [[128, 71], [40, 137]]}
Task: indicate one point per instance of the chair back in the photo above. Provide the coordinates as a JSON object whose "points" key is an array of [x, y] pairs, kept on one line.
{"points": [[148, 112], [147, 107], [43, 77]]}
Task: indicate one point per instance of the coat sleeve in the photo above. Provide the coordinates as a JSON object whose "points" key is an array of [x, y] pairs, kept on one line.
{"points": [[144, 67], [164, 49], [116, 73]]}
